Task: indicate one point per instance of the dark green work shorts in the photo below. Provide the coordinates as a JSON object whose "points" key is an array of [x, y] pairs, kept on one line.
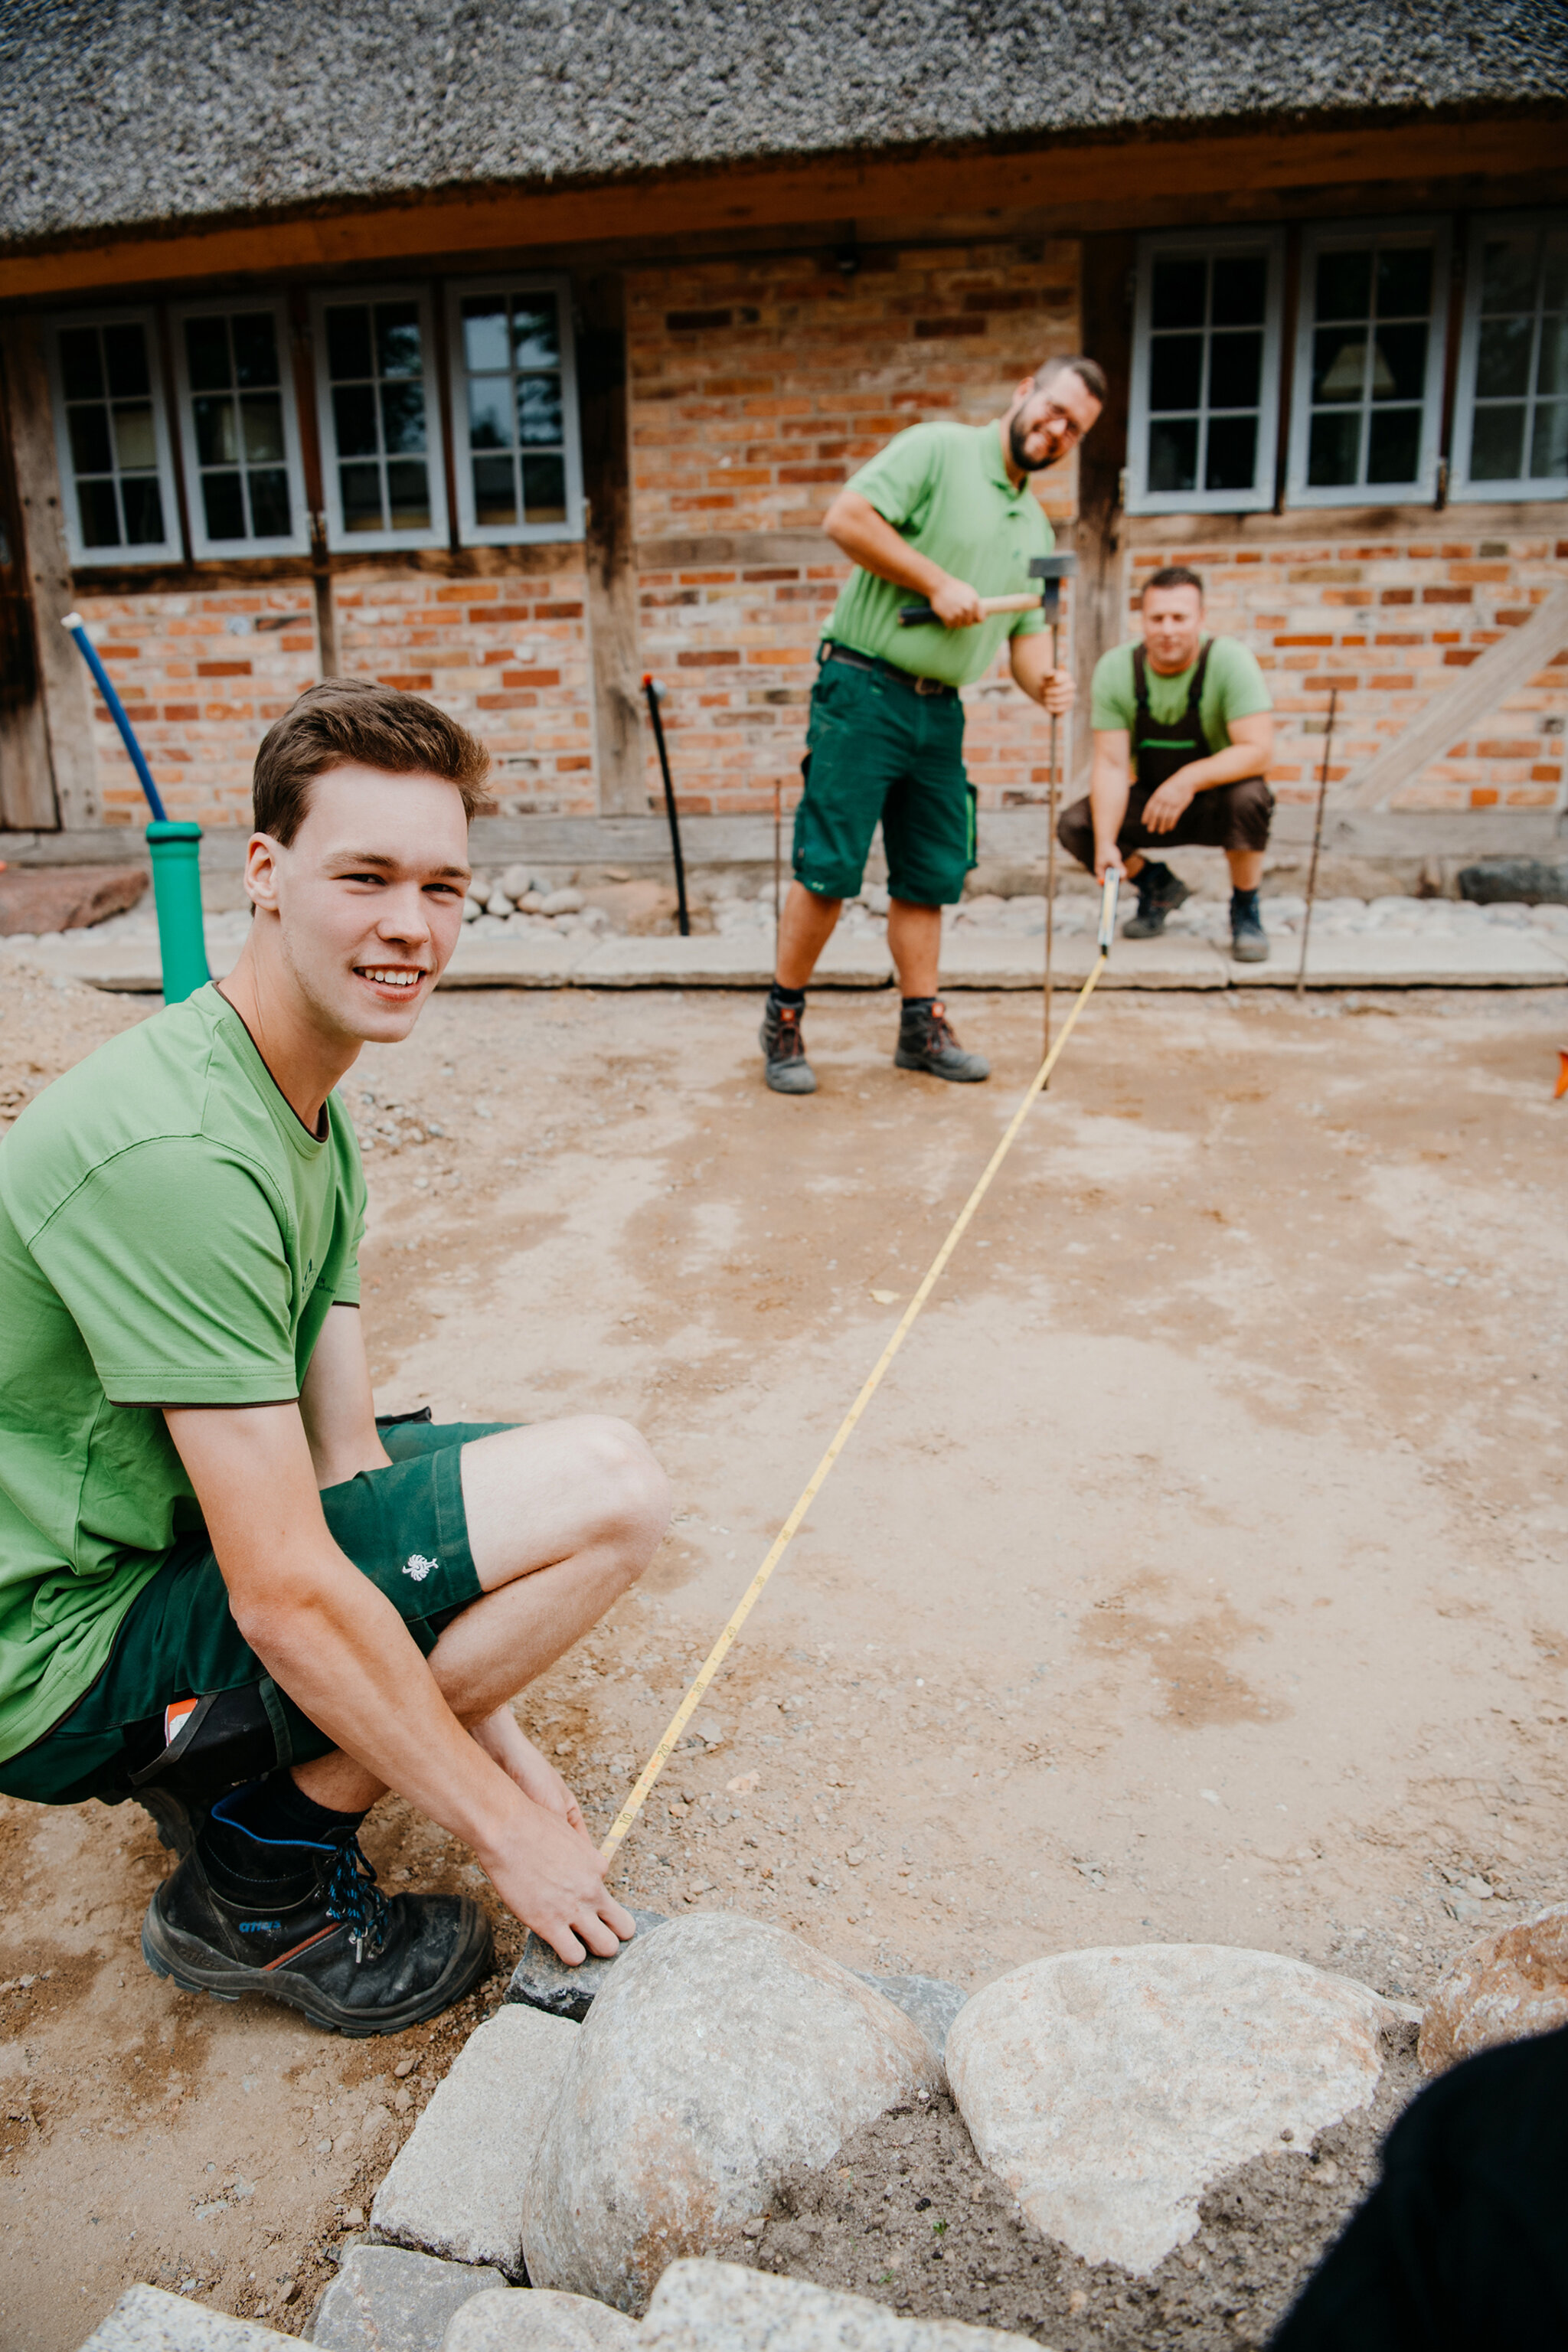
{"points": [[876, 749], [403, 1527]]}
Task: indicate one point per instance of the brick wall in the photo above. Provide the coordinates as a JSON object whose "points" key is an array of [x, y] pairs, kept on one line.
{"points": [[757, 388], [1389, 621]]}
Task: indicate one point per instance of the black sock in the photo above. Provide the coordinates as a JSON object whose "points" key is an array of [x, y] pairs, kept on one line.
{"points": [[1152, 875], [914, 1005], [1242, 902], [786, 1000], [255, 1845]]}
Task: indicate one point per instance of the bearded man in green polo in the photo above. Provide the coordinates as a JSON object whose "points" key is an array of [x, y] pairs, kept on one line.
{"points": [[944, 513]]}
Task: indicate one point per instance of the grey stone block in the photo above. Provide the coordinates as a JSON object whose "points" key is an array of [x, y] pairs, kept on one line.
{"points": [[145, 2319], [456, 2187], [931, 2002], [537, 2319], [703, 2307], [1519, 881], [544, 1982], [384, 2300]]}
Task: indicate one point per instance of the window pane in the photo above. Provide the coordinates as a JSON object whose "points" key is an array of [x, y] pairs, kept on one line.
{"points": [[348, 342], [1394, 448], [1554, 274], [207, 354], [544, 488], [495, 492], [354, 419], [125, 359], [1399, 364], [535, 338], [1344, 286], [1178, 293], [99, 515], [1404, 282], [1174, 454], [1497, 445], [1508, 274], [1551, 374], [223, 506], [1240, 288], [397, 347], [409, 493], [262, 420], [1331, 451], [484, 332], [489, 422], [1339, 365], [144, 510], [90, 440], [80, 371], [539, 408], [255, 349], [1502, 361], [1232, 460], [361, 489], [218, 442], [1175, 371], [135, 442], [270, 516], [1549, 457], [1235, 370], [403, 415]]}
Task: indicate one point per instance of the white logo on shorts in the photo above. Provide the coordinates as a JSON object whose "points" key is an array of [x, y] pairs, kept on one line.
{"points": [[419, 1567]]}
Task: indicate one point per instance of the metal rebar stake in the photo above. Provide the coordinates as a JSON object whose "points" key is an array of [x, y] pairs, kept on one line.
{"points": [[1316, 843], [1051, 862]]}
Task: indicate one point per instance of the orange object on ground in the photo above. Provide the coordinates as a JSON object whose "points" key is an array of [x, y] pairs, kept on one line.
{"points": [[1561, 1088]]}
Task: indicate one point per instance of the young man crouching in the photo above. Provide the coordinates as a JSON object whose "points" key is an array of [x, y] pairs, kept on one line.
{"points": [[197, 1504]]}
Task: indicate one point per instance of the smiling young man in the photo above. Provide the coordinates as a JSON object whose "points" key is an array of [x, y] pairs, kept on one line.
{"points": [[223, 1587], [943, 514]]}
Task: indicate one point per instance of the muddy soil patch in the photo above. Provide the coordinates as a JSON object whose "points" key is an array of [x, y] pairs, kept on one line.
{"points": [[907, 2214]]}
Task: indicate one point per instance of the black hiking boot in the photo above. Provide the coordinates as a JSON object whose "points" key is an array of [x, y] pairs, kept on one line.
{"points": [[338, 1951], [787, 1071], [926, 1041], [1249, 939], [1160, 893]]}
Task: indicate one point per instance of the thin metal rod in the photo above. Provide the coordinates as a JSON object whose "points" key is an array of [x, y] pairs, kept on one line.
{"points": [[1316, 843], [653, 690], [1051, 863]]}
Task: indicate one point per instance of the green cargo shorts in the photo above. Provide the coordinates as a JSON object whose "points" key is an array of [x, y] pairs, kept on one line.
{"points": [[404, 1527], [876, 749]]}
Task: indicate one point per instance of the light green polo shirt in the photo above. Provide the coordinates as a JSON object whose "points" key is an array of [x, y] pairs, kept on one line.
{"points": [[170, 1234], [1234, 688], [946, 489]]}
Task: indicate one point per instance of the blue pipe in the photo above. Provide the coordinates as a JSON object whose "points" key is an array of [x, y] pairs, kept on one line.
{"points": [[88, 651]]}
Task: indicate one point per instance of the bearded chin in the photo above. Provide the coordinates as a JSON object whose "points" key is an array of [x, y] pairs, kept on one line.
{"points": [[1021, 458]]}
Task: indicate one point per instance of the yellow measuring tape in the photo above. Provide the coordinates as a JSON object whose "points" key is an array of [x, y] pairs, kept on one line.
{"points": [[814, 1486]]}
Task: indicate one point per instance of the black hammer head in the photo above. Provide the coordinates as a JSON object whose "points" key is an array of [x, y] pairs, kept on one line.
{"points": [[1052, 567]]}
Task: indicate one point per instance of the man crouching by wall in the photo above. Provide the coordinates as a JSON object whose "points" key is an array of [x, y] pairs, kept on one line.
{"points": [[223, 1587]]}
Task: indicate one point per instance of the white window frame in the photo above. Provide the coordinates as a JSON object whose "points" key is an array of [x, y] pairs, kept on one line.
{"points": [[472, 534], [338, 540], [169, 548], [1423, 490], [214, 549], [1460, 487], [1140, 500]]}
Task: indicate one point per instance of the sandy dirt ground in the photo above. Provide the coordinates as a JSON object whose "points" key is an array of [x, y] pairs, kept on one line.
{"points": [[1195, 1575]]}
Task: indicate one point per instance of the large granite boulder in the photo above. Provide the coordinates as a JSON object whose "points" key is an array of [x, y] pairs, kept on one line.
{"points": [[720, 2307], [1509, 1986]]}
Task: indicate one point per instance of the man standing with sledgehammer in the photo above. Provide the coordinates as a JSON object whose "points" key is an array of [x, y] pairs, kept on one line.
{"points": [[944, 512]]}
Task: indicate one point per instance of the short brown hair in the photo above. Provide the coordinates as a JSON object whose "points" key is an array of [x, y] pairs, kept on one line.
{"points": [[1090, 373], [1172, 575], [347, 720]]}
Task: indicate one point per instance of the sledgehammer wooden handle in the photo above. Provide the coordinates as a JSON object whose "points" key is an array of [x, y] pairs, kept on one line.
{"points": [[912, 615]]}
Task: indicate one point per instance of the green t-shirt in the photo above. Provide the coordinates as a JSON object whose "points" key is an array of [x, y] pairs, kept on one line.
{"points": [[1233, 688], [946, 489], [170, 1234]]}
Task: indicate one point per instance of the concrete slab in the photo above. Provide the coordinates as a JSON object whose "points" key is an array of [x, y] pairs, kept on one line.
{"points": [[717, 962], [518, 963], [978, 960], [1488, 957]]}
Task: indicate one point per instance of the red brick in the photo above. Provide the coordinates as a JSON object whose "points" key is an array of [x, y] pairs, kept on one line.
{"points": [[223, 670], [1483, 797], [714, 658], [930, 330], [530, 677], [1447, 597]]}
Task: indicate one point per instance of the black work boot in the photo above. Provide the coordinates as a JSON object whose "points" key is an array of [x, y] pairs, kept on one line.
{"points": [[786, 1069], [926, 1041], [1249, 939], [336, 1948], [1160, 893]]}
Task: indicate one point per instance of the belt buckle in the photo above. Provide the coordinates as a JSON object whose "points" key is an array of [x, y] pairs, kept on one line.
{"points": [[930, 686]]}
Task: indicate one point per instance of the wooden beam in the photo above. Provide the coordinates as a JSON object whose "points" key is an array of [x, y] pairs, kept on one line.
{"points": [[27, 776], [1105, 313], [827, 189], [62, 676], [611, 563], [1451, 714]]}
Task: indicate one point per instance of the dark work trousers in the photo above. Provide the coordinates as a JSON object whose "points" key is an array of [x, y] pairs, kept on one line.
{"points": [[1227, 816], [1463, 2244]]}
